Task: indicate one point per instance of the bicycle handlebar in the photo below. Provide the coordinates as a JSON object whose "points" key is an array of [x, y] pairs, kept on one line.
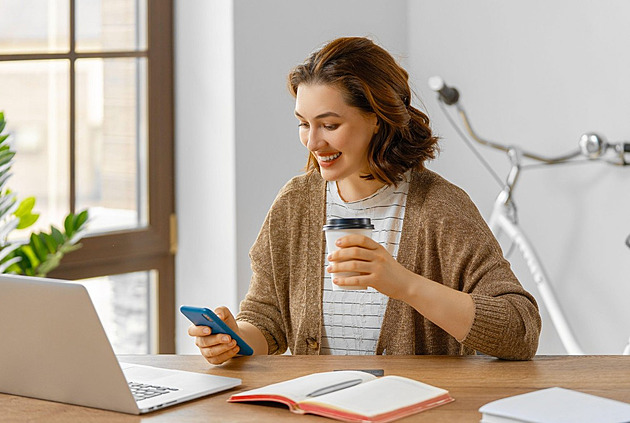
{"points": [[591, 145]]}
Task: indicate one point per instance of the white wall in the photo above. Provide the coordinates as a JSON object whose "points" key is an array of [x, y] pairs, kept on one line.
{"points": [[205, 266], [538, 74], [236, 137]]}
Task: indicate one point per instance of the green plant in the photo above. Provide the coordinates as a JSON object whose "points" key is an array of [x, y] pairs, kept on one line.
{"points": [[44, 250]]}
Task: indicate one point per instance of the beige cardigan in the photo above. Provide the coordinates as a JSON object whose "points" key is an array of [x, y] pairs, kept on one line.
{"points": [[444, 238]]}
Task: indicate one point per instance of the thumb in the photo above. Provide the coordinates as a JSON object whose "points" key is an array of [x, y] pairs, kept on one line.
{"points": [[225, 315]]}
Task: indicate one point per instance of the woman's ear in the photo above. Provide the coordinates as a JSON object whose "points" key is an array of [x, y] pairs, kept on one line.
{"points": [[376, 124]]}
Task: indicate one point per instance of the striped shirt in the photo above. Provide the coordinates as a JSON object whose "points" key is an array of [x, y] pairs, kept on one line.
{"points": [[352, 319]]}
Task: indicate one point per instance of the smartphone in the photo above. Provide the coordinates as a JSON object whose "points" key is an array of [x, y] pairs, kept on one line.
{"points": [[201, 316]]}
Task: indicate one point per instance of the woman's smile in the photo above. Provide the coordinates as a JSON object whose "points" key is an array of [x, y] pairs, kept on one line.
{"points": [[327, 160]]}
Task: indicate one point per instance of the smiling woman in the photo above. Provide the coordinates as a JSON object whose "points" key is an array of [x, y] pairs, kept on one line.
{"points": [[433, 278]]}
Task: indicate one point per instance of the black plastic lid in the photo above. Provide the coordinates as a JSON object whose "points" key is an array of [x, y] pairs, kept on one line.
{"points": [[356, 223]]}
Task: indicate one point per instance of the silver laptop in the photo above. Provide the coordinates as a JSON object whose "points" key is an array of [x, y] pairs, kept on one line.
{"points": [[53, 347]]}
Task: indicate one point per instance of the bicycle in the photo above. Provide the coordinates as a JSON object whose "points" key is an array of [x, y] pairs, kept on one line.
{"points": [[503, 219]]}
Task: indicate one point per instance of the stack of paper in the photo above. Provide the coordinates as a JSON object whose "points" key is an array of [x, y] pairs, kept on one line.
{"points": [[555, 405]]}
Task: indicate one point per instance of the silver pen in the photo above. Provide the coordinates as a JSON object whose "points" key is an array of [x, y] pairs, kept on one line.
{"points": [[336, 387]]}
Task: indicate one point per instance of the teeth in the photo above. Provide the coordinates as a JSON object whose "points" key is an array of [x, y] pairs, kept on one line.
{"points": [[329, 158]]}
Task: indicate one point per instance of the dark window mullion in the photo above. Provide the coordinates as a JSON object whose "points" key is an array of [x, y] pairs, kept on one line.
{"points": [[72, 57]]}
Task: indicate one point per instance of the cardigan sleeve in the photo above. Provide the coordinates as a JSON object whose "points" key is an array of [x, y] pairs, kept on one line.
{"points": [[262, 305], [275, 300], [506, 323]]}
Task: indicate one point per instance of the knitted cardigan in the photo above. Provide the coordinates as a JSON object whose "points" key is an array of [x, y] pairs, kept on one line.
{"points": [[444, 238]]}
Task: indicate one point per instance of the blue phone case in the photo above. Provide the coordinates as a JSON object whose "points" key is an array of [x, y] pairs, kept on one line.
{"points": [[202, 316]]}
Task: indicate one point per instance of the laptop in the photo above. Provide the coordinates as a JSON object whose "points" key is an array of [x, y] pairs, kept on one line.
{"points": [[53, 347]]}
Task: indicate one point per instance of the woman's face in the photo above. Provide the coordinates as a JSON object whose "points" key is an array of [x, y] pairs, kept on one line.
{"points": [[336, 134]]}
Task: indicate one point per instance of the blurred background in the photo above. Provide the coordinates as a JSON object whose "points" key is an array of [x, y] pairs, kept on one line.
{"points": [[170, 121]]}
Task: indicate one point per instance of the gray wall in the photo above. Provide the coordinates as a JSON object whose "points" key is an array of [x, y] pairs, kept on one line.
{"points": [[537, 74]]}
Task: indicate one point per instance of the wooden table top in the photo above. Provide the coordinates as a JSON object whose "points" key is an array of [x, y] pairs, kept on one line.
{"points": [[472, 381]]}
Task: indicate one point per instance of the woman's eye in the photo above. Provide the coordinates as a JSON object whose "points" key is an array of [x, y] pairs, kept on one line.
{"points": [[303, 125], [331, 127]]}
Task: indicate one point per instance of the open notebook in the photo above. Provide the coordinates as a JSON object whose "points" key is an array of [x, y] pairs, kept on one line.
{"points": [[352, 396]]}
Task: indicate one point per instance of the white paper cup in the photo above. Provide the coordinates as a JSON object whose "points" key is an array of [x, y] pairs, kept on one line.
{"points": [[337, 228]]}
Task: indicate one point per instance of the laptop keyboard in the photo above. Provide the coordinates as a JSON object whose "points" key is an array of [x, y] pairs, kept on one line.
{"points": [[143, 391]]}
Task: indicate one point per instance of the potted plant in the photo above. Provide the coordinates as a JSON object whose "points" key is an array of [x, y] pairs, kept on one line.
{"points": [[43, 251]]}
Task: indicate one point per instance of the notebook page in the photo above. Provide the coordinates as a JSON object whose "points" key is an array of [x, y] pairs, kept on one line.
{"points": [[297, 389], [383, 395]]}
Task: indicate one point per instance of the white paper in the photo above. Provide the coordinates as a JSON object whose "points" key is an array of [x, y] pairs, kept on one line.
{"points": [[557, 405]]}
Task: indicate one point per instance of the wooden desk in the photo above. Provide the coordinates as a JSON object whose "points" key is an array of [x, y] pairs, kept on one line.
{"points": [[472, 381]]}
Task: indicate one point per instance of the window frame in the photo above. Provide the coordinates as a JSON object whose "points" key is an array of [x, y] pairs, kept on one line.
{"points": [[152, 247]]}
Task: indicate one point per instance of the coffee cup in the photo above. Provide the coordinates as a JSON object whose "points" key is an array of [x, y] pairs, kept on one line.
{"points": [[337, 228]]}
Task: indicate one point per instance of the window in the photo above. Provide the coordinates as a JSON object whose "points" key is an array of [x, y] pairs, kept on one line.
{"points": [[86, 87]]}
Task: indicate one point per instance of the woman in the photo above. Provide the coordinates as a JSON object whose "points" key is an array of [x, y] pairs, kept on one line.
{"points": [[438, 282]]}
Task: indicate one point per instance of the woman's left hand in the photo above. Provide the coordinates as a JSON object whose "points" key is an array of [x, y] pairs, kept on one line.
{"points": [[377, 268]]}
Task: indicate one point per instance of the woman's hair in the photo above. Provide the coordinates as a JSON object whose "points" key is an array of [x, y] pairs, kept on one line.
{"points": [[371, 80]]}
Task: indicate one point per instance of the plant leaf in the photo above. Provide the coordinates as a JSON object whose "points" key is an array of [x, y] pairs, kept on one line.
{"points": [[6, 156], [50, 242], [6, 251], [80, 219], [56, 233], [7, 227], [25, 207], [7, 210], [39, 248], [5, 167], [30, 255], [26, 221], [10, 266], [7, 198], [67, 224]]}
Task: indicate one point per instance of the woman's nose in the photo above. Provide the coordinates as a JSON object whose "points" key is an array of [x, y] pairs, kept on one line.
{"points": [[314, 140]]}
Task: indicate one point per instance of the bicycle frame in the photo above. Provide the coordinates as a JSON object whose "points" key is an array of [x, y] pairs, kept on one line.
{"points": [[503, 218], [502, 221]]}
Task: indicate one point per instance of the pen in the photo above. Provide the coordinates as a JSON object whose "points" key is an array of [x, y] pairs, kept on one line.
{"points": [[335, 387]]}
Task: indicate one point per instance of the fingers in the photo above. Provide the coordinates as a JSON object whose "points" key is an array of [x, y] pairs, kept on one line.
{"points": [[358, 281], [199, 330], [355, 247], [220, 353], [351, 253], [216, 348], [356, 240]]}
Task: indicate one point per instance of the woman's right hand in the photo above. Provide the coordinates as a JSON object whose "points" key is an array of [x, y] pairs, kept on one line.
{"points": [[216, 348]]}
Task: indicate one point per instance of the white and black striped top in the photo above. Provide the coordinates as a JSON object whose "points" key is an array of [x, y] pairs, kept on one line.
{"points": [[352, 319]]}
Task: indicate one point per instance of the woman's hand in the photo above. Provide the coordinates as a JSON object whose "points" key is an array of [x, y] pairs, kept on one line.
{"points": [[377, 268], [448, 308], [216, 348]]}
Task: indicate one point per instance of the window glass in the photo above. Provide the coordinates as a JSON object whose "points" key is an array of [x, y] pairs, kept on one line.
{"points": [[34, 96], [125, 305], [110, 25], [111, 142], [28, 26]]}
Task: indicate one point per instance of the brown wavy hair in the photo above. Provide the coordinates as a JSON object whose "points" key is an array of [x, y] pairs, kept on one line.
{"points": [[371, 80]]}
